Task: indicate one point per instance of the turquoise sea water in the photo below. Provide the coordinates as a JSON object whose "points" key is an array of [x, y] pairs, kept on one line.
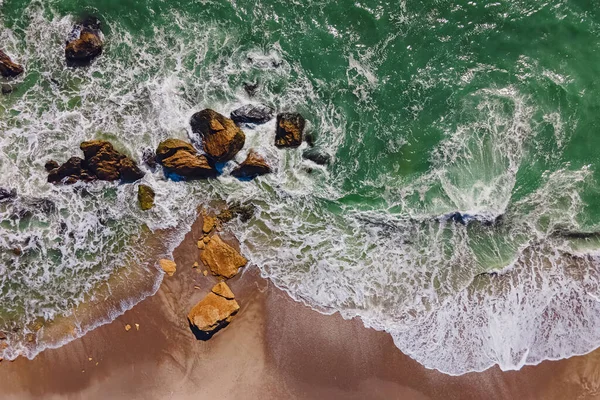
{"points": [[428, 109]]}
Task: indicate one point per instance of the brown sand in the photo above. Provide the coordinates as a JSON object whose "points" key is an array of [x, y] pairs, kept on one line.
{"points": [[274, 349]]}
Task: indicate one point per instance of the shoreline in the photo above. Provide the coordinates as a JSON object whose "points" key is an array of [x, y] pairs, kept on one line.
{"points": [[274, 348]]}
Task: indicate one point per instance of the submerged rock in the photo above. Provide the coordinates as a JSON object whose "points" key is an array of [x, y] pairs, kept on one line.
{"points": [[317, 156], [84, 43], [7, 194], [290, 128], [181, 158], [149, 158], [146, 197], [168, 266], [254, 165], [252, 114], [222, 259], [214, 312], [251, 88], [6, 89], [8, 68], [221, 138], [244, 212]]}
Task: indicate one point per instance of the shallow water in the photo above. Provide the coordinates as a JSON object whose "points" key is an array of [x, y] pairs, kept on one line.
{"points": [[427, 108]]}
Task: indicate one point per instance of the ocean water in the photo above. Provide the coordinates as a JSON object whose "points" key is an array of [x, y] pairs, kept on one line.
{"points": [[428, 108]]}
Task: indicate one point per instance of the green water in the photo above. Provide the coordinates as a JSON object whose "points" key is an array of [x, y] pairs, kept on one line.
{"points": [[427, 107]]}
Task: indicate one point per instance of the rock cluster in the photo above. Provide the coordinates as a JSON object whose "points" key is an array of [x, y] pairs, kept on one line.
{"points": [[101, 162], [214, 312], [8, 68]]}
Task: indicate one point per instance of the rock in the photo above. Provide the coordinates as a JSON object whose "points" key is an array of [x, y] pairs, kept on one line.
{"points": [[171, 146], [206, 239], [73, 167], [196, 265], [129, 171], [149, 158], [309, 138], [221, 137], [50, 165], [190, 166], [168, 266], [84, 43], [145, 197], [317, 156], [251, 88], [290, 127], [252, 114], [7, 194], [6, 89], [208, 223], [127, 328], [244, 212], [253, 166], [213, 313], [17, 251], [8, 68], [222, 259], [3, 336]]}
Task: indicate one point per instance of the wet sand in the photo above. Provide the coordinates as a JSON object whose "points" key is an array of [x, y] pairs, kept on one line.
{"points": [[275, 348]]}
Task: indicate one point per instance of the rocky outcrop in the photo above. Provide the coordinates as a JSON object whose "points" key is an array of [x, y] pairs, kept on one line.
{"points": [[84, 43], [254, 165], [181, 158], [221, 138], [146, 197], [222, 259], [214, 312], [168, 266], [317, 156], [101, 162], [8, 68], [252, 114], [290, 128]]}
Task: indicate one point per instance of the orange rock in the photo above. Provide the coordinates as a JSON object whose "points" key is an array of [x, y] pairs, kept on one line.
{"points": [[222, 259], [168, 266], [214, 312], [221, 137]]}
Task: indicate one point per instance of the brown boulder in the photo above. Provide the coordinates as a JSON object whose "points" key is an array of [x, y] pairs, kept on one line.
{"points": [[290, 128], [222, 259], [254, 165], [214, 312], [8, 68], [84, 43], [108, 164], [72, 168], [221, 137], [129, 171], [168, 266], [182, 159]]}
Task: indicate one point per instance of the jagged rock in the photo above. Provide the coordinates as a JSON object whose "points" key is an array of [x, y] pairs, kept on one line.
{"points": [[7, 194], [252, 114], [290, 128], [149, 158], [221, 137], [71, 168], [84, 43], [244, 212], [50, 165], [208, 223], [146, 197], [251, 88], [317, 156], [222, 259], [182, 159], [214, 312], [8, 68], [129, 171], [168, 266], [253, 166]]}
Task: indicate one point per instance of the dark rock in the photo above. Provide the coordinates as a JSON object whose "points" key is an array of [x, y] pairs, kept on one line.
{"points": [[129, 171], [181, 158], [317, 156], [71, 168], [242, 211], [254, 165], [7, 89], [251, 88], [8, 68], [252, 114], [50, 165], [7, 194], [149, 158], [84, 43], [290, 127], [221, 138], [309, 139]]}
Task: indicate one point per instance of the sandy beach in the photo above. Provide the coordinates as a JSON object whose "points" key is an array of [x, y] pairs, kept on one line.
{"points": [[275, 348]]}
